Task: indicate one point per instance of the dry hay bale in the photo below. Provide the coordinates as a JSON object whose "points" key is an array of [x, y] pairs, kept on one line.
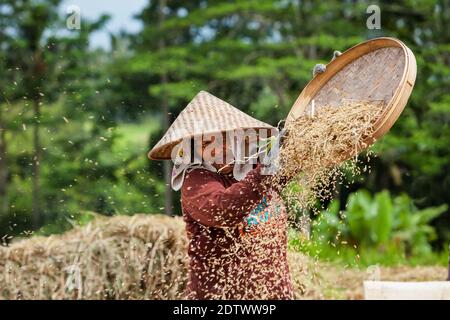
{"points": [[139, 257]]}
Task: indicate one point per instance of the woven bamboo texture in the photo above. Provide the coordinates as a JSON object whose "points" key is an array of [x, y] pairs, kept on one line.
{"points": [[205, 114], [380, 71]]}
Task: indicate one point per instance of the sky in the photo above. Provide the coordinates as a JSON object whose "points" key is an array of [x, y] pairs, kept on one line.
{"points": [[121, 12]]}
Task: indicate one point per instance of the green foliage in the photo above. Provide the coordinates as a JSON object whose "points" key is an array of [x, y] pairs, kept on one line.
{"points": [[382, 227], [369, 220]]}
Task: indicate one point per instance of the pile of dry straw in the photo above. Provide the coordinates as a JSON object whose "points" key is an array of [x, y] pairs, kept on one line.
{"points": [[139, 257]]}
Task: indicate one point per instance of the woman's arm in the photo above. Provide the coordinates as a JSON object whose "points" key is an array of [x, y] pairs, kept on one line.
{"points": [[208, 202]]}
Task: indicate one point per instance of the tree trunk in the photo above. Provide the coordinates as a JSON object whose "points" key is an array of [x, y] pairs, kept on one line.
{"points": [[167, 164], [36, 208], [3, 170], [168, 200]]}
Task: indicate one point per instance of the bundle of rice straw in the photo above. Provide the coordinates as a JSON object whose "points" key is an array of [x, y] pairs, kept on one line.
{"points": [[139, 257], [317, 143]]}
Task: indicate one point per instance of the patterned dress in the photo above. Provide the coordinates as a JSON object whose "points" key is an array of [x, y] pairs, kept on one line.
{"points": [[237, 234]]}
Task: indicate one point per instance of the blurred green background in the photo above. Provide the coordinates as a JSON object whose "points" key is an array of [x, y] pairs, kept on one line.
{"points": [[77, 119]]}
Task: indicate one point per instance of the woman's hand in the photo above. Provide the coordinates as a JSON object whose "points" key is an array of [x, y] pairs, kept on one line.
{"points": [[321, 68]]}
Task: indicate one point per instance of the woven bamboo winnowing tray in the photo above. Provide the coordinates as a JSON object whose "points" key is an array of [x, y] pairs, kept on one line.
{"points": [[379, 70]]}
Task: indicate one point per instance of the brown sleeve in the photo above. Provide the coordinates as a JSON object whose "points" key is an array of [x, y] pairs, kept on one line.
{"points": [[207, 201]]}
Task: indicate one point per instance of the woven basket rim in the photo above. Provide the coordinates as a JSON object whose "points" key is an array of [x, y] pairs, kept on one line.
{"points": [[393, 107]]}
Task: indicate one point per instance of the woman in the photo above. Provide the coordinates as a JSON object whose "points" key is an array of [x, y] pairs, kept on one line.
{"points": [[236, 223]]}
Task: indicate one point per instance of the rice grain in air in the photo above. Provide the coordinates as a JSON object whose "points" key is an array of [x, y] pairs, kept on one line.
{"points": [[312, 154]]}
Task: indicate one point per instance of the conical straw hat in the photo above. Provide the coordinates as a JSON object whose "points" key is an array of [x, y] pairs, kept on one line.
{"points": [[205, 114]]}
